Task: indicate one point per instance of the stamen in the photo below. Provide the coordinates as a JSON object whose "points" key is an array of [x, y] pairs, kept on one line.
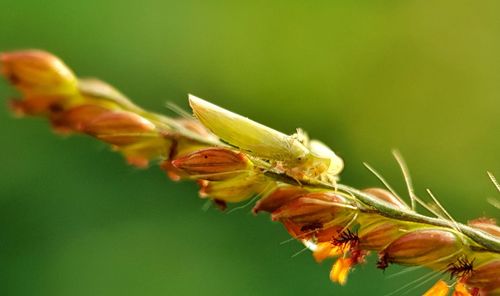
{"points": [[346, 240], [461, 268]]}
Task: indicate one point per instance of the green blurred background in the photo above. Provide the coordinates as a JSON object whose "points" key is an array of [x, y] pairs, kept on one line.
{"points": [[365, 77]]}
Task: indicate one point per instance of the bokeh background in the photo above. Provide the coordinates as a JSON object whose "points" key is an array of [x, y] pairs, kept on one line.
{"points": [[363, 76]]}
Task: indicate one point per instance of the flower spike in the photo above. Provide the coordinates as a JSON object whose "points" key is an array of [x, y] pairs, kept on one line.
{"points": [[296, 179]]}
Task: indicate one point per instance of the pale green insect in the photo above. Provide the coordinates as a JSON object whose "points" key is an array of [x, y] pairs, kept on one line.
{"points": [[296, 156]]}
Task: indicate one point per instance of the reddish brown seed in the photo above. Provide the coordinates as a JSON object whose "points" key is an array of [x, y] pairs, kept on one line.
{"points": [[321, 215], [313, 207], [212, 163], [386, 196], [430, 247], [37, 73], [380, 233], [487, 225], [77, 118], [486, 277], [120, 127], [280, 196]]}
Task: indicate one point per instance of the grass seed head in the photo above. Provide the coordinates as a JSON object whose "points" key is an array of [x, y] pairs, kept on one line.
{"points": [[38, 74], [214, 163], [428, 247]]}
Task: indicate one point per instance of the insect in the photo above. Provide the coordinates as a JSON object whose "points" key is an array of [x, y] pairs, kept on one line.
{"points": [[295, 155]]}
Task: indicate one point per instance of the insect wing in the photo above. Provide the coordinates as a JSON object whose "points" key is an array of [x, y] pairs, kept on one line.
{"points": [[247, 134]]}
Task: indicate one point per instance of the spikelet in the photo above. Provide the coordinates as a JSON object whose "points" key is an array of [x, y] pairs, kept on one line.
{"points": [[234, 159]]}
